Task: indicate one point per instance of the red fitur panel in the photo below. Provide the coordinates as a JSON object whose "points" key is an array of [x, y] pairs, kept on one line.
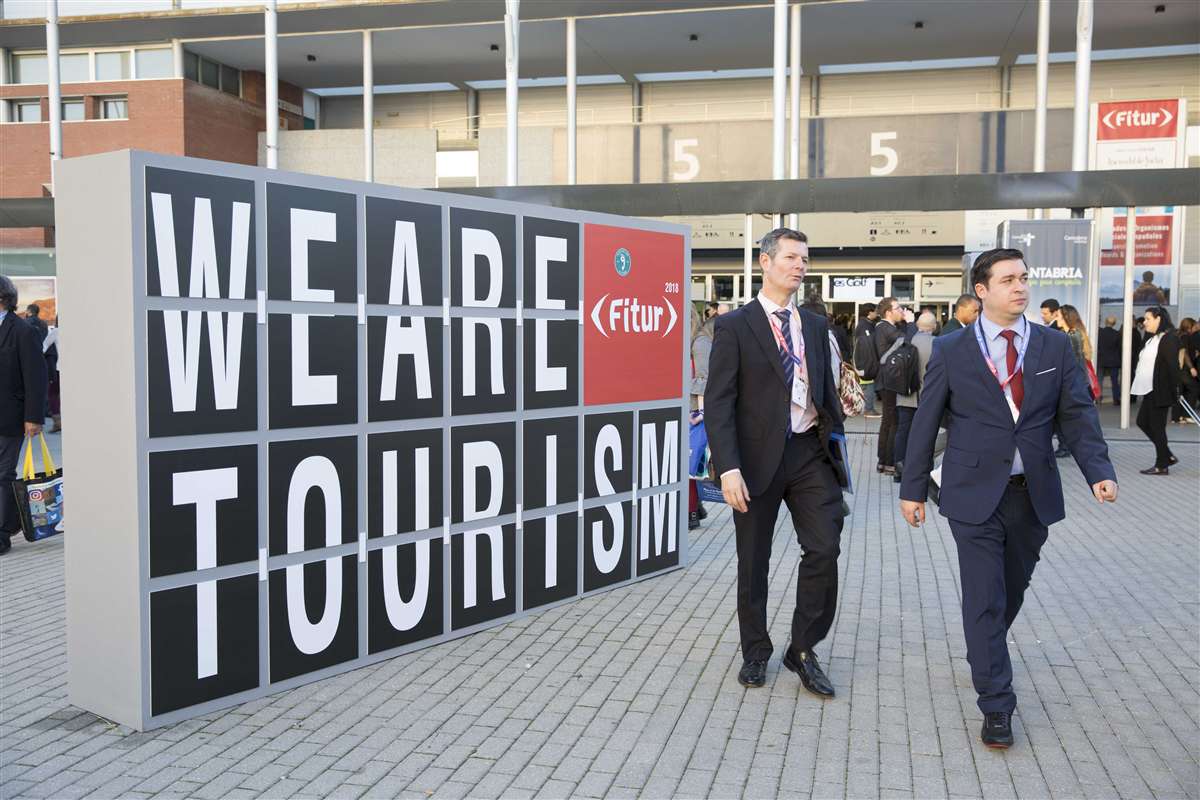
{"points": [[1139, 119], [635, 315]]}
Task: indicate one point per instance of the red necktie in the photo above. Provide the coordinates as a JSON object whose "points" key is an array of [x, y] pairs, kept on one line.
{"points": [[1017, 384]]}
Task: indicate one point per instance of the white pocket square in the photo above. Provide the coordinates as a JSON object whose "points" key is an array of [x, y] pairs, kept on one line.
{"points": [[1043, 372]]}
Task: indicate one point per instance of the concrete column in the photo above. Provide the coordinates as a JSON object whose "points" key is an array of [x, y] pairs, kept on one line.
{"points": [[572, 134], [512, 43], [1083, 84], [271, 36], [779, 86], [637, 131], [177, 57], [1127, 317], [368, 66], [55, 86], [472, 113]]}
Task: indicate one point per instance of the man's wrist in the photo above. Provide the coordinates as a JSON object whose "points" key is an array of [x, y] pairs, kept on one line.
{"points": [[730, 472]]}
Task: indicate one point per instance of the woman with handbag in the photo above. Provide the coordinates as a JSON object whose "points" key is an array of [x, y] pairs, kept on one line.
{"points": [[1156, 381], [1081, 345]]}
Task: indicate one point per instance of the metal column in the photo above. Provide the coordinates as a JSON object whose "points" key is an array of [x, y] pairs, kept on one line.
{"points": [[271, 35], [779, 93], [177, 58], [1083, 82], [1127, 364], [1043, 78], [52, 66], [572, 169], [512, 23], [747, 258], [368, 67], [794, 92]]}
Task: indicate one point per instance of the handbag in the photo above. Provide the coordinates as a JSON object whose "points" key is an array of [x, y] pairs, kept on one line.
{"points": [[39, 495], [1093, 381], [850, 391]]}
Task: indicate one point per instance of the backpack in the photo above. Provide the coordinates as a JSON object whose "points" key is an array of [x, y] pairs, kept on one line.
{"points": [[866, 360], [899, 371]]}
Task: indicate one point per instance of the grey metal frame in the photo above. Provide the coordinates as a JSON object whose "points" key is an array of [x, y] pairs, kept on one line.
{"points": [[141, 304]]}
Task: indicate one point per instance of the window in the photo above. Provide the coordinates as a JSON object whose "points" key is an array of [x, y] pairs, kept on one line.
{"points": [[112, 66], [230, 81], [722, 287], [27, 110], [29, 68], [191, 66], [159, 63], [72, 110], [902, 287], [210, 73], [73, 68], [810, 288], [114, 108]]}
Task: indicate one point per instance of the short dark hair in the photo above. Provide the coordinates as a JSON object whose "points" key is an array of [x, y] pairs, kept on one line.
{"points": [[886, 305], [1148, 275], [963, 299], [1051, 304], [769, 244], [981, 270], [866, 308], [8, 294], [33, 309], [815, 305]]}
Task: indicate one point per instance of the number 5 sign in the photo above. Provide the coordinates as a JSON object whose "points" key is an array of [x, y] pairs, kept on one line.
{"points": [[879, 150]]}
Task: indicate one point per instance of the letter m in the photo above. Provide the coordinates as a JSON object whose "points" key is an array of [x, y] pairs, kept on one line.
{"points": [[654, 525]]}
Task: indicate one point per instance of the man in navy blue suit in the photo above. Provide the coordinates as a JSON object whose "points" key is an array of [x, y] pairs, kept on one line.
{"points": [[1006, 384]]}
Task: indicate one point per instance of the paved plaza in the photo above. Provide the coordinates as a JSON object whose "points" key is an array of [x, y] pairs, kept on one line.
{"points": [[633, 693]]}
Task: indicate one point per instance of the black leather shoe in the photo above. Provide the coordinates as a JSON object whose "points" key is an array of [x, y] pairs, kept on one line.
{"points": [[693, 520], [753, 674], [811, 675], [700, 512], [997, 729], [5, 543], [1172, 461], [1155, 471]]}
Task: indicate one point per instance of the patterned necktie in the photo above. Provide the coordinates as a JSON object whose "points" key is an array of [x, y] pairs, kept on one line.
{"points": [[1017, 384], [785, 356]]}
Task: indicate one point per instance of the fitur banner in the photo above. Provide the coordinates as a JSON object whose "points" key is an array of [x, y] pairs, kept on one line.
{"points": [[1141, 134], [322, 423]]}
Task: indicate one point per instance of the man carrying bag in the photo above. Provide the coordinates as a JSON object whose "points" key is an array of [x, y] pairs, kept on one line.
{"points": [[22, 401]]}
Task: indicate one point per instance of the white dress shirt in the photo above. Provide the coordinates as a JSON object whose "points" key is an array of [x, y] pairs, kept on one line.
{"points": [[803, 417], [997, 347]]}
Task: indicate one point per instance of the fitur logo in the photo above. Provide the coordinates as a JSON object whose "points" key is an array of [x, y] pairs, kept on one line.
{"points": [[1132, 118], [622, 262]]}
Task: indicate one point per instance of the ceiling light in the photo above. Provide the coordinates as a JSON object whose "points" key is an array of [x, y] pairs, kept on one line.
{"points": [[695, 37], [1159, 9], [310, 57], [918, 25], [495, 48]]}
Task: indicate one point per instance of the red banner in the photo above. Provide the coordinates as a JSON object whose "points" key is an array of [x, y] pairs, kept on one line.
{"points": [[635, 315], [1138, 119], [1151, 244]]}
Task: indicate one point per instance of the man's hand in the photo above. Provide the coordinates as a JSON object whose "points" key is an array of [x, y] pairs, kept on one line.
{"points": [[913, 511], [1105, 491], [32, 429], [735, 491]]}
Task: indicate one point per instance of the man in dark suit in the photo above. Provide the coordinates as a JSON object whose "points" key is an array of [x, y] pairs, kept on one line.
{"points": [[1108, 358], [22, 400], [1005, 383], [771, 407], [891, 324], [966, 311]]}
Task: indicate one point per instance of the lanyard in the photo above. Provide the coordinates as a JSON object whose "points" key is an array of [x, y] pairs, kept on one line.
{"points": [[991, 365], [783, 345]]}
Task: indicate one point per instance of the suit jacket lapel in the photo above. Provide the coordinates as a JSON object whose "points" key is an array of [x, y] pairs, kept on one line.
{"points": [[812, 358], [1033, 358], [991, 385], [756, 318]]}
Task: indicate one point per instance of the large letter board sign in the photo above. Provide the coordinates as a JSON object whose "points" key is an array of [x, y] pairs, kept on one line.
{"points": [[370, 419]]}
